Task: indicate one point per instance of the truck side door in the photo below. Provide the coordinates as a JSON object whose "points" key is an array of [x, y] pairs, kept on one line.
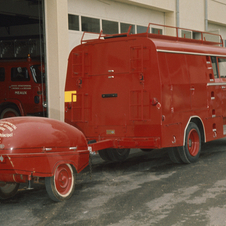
{"points": [[20, 87], [198, 78]]}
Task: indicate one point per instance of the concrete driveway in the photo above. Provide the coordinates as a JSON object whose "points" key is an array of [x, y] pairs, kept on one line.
{"points": [[145, 190]]}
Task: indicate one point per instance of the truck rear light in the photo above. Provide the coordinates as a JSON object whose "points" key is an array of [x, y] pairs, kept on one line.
{"points": [[36, 99]]}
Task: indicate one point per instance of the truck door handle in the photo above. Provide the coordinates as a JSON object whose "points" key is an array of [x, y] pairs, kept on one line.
{"points": [[223, 87], [192, 89], [9, 87]]}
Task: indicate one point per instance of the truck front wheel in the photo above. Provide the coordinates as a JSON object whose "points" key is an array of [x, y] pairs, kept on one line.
{"points": [[61, 186], [190, 152], [8, 190], [9, 112]]}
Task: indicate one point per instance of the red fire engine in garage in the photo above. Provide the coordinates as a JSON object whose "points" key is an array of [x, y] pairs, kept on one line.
{"points": [[123, 91], [22, 90]]}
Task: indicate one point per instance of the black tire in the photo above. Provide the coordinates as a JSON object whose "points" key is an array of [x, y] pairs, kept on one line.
{"points": [[8, 190], [190, 152], [9, 112], [61, 186], [174, 155], [118, 155], [104, 155]]}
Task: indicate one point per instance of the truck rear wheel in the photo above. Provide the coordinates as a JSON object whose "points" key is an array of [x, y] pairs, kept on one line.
{"points": [[61, 186], [104, 155], [9, 112], [118, 155], [8, 190], [190, 152], [174, 155]]}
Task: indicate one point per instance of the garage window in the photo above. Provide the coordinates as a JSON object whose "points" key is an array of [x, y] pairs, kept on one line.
{"points": [[125, 27], [186, 34], [2, 74], [73, 22], [109, 27], [142, 29], [90, 24], [156, 31]]}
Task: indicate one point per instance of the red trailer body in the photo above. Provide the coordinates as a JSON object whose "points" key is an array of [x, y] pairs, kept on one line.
{"points": [[33, 147], [147, 91]]}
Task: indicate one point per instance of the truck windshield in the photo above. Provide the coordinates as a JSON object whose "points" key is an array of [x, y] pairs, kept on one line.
{"points": [[37, 73]]}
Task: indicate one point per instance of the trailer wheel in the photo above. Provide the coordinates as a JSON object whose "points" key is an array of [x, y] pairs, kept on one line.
{"points": [[9, 112], [118, 155], [104, 155], [61, 186], [8, 190], [190, 152], [174, 155]]}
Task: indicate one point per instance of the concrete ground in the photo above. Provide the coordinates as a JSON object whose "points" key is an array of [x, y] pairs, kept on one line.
{"points": [[145, 190]]}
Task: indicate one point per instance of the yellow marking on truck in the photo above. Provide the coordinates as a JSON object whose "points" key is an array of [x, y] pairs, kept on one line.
{"points": [[69, 96]]}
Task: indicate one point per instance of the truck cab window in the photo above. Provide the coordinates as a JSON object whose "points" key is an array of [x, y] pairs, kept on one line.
{"points": [[19, 74], [222, 67], [214, 65], [2, 74]]}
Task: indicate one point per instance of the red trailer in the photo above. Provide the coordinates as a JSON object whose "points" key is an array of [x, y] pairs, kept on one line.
{"points": [[36, 148], [148, 91]]}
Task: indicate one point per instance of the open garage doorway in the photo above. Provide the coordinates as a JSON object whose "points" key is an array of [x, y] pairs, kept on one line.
{"points": [[22, 58]]}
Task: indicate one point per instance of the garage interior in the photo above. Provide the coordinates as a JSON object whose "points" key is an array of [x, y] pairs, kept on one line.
{"points": [[22, 30]]}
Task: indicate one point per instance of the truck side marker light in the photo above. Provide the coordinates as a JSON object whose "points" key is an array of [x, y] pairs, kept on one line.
{"points": [[158, 105], [174, 140], [2, 159], [154, 101], [48, 149], [163, 118]]}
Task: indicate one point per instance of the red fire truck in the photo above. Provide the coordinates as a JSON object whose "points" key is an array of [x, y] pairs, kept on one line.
{"points": [[22, 90], [148, 91]]}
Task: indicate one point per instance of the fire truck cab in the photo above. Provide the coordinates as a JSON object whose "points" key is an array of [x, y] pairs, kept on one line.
{"points": [[22, 90], [147, 91]]}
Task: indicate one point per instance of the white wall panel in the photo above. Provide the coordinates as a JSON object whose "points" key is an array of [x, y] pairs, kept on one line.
{"points": [[111, 10]]}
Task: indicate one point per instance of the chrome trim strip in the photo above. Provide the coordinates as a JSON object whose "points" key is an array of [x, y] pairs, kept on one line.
{"points": [[190, 53], [216, 84]]}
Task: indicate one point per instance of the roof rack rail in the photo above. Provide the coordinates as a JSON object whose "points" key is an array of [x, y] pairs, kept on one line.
{"points": [[204, 37], [104, 36]]}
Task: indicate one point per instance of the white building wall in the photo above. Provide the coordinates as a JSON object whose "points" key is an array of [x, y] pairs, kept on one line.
{"points": [[111, 10]]}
